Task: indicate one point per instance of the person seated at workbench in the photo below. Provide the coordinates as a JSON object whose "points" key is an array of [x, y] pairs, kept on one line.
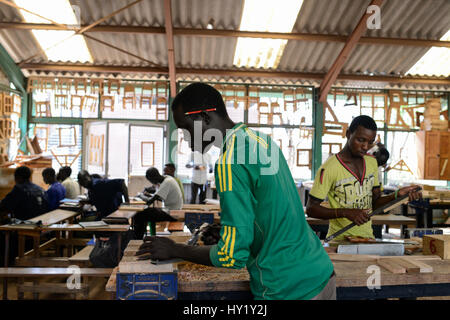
{"points": [[56, 192], [168, 191], [104, 194], [72, 187], [169, 170], [25, 201], [350, 181], [263, 226]]}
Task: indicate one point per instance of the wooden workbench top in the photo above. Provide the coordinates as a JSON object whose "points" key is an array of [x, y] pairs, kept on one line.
{"points": [[354, 274], [389, 219], [348, 274], [77, 227], [49, 218]]}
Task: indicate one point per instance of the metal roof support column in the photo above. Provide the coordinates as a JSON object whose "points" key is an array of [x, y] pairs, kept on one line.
{"points": [[318, 131], [15, 75]]}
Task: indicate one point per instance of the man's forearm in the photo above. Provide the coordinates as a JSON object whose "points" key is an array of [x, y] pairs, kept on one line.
{"points": [[320, 212], [196, 254]]}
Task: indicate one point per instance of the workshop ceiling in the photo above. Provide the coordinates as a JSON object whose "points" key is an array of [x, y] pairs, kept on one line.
{"points": [[143, 51]]}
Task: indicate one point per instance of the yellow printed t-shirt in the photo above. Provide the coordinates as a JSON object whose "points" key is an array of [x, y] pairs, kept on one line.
{"points": [[344, 190]]}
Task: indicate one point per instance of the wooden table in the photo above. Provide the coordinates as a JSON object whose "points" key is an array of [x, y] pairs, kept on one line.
{"points": [[127, 214], [52, 217], [49, 218], [180, 214]]}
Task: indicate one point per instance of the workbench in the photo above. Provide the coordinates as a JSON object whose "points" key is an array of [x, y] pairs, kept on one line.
{"points": [[23, 230], [211, 283]]}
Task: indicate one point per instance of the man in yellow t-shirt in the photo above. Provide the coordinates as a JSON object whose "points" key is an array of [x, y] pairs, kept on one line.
{"points": [[350, 181]]}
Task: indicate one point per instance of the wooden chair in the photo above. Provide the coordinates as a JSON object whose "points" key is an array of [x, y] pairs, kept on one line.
{"points": [[264, 111], [113, 85], [43, 109], [161, 108], [129, 97], [90, 102], [275, 110], [106, 102], [96, 86], [146, 96], [64, 85], [80, 85], [76, 101], [61, 101]]}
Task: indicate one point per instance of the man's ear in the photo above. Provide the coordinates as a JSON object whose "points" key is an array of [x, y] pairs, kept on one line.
{"points": [[348, 133]]}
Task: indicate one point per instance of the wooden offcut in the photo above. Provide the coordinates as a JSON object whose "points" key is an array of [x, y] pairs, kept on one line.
{"points": [[437, 245], [391, 265]]}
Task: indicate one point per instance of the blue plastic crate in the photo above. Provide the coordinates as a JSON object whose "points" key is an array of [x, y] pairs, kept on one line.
{"points": [[156, 286], [193, 220]]}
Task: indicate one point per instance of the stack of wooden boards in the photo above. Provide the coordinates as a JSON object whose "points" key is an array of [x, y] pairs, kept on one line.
{"points": [[394, 264], [431, 116]]}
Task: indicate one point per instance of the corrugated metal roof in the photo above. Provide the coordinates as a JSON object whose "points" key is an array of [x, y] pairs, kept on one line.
{"points": [[415, 19]]}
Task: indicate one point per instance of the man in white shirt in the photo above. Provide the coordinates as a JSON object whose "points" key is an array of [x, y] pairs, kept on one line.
{"points": [[72, 187], [200, 164], [169, 192]]}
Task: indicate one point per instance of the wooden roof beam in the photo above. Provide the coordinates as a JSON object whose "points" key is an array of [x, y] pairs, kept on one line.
{"points": [[170, 47], [230, 73], [336, 67], [231, 33]]}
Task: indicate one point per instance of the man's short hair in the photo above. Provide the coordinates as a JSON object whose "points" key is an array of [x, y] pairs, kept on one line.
{"points": [[364, 121], [170, 165], [382, 156], [22, 173], [152, 173], [49, 172], [67, 171], [82, 173], [200, 96]]}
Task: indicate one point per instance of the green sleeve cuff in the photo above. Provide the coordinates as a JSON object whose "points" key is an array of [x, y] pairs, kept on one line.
{"points": [[213, 256]]}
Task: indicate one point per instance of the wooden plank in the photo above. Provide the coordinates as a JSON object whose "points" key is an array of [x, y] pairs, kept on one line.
{"points": [[52, 272], [74, 242], [111, 284], [176, 226], [391, 265], [409, 267], [202, 207], [51, 288], [352, 257], [42, 262], [123, 213], [43, 246], [416, 257], [82, 255], [55, 216], [132, 207], [144, 266], [423, 267]]}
